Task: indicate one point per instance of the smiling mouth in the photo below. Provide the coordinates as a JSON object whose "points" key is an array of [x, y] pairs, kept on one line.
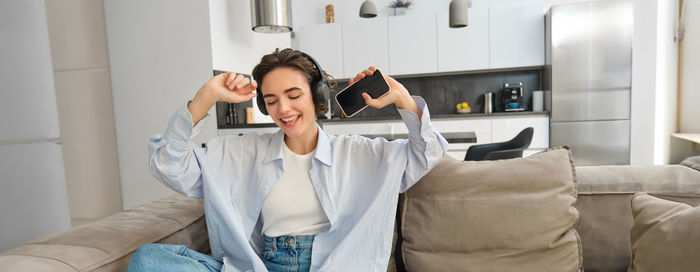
{"points": [[290, 121]]}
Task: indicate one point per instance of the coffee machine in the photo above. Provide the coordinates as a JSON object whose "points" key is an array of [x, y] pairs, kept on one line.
{"points": [[512, 96]]}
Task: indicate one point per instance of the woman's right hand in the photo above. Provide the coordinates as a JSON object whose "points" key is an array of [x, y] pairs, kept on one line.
{"points": [[226, 87]]}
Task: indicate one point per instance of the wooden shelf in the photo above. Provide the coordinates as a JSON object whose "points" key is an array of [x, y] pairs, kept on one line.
{"points": [[692, 137]]}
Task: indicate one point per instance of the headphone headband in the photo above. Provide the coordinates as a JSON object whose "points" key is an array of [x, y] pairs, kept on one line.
{"points": [[318, 67]]}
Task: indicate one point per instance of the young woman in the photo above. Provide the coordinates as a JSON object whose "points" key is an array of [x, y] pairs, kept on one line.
{"points": [[298, 199]]}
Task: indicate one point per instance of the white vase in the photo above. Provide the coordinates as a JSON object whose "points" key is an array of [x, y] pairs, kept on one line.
{"points": [[400, 11]]}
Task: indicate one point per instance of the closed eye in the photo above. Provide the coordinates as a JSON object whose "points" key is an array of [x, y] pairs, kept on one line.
{"points": [[294, 97]]}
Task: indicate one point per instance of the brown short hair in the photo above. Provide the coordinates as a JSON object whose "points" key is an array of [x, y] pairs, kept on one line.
{"points": [[294, 59]]}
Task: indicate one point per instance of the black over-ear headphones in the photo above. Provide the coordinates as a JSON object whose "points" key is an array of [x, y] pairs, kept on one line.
{"points": [[319, 88]]}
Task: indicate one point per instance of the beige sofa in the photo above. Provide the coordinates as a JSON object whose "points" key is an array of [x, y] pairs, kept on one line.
{"points": [[604, 194]]}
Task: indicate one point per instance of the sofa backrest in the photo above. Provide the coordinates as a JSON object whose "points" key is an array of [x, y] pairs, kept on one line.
{"points": [[604, 204]]}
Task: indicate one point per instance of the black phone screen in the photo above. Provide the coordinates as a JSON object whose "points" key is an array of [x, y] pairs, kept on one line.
{"points": [[350, 99]]}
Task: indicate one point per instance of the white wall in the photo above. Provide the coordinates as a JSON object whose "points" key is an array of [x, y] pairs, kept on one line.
{"points": [[688, 93], [666, 96], [235, 47], [161, 54], [33, 200], [643, 83], [86, 115], [690, 69]]}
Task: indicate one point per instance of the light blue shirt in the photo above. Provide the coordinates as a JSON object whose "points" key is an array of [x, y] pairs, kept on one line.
{"points": [[356, 179]]}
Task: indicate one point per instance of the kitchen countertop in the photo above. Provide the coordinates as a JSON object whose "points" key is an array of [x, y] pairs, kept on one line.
{"points": [[437, 116], [392, 118], [451, 137]]}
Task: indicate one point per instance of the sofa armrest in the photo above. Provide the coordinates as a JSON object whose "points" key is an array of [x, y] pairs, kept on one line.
{"points": [[108, 244]]}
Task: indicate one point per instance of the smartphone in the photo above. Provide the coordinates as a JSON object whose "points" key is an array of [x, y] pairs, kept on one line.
{"points": [[350, 99]]}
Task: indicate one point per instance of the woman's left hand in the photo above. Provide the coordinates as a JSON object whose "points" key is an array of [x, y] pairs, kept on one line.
{"points": [[397, 94]]}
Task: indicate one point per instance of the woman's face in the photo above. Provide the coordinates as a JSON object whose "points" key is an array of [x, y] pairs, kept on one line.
{"points": [[289, 102]]}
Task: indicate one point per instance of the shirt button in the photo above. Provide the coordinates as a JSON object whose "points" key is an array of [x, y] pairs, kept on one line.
{"points": [[250, 228], [257, 209], [267, 188]]}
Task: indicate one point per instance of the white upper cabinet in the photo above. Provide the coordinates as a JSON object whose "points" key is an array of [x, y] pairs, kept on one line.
{"points": [[465, 48], [365, 43], [324, 43], [412, 44], [516, 35], [498, 36]]}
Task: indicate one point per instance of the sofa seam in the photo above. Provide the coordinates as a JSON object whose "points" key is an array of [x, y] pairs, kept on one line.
{"points": [[579, 245], [403, 219], [48, 244]]}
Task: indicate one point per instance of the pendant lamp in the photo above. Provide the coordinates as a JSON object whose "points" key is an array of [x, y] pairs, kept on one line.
{"points": [[368, 9], [459, 13], [271, 16]]}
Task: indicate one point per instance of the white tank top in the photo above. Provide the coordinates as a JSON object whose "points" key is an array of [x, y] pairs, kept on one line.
{"points": [[292, 206]]}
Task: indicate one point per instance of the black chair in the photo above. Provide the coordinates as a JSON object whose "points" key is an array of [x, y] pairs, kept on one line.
{"points": [[504, 150]]}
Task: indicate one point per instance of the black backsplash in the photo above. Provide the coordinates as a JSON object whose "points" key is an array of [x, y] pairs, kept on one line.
{"points": [[443, 92], [440, 92]]}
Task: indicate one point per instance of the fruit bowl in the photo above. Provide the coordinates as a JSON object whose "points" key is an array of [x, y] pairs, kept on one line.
{"points": [[464, 110], [463, 107]]}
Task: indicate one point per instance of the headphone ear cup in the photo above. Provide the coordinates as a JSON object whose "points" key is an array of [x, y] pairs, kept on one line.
{"points": [[321, 94], [261, 102]]}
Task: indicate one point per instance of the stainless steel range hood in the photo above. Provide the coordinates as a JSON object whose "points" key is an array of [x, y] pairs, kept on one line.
{"points": [[271, 16]]}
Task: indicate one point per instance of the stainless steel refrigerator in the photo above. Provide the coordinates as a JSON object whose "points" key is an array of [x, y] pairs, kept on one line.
{"points": [[589, 67]]}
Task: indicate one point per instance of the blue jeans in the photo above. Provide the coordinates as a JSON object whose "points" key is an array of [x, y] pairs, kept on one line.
{"points": [[165, 257], [288, 253], [283, 254]]}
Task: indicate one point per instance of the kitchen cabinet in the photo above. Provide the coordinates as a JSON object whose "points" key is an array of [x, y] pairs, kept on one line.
{"points": [[498, 36], [412, 44], [387, 127], [243, 131], [365, 43], [516, 35], [504, 129], [324, 43], [464, 48], [481, 127]]}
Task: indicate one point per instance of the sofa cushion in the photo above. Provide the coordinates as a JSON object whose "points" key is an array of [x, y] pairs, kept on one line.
{"points": [[107, 244], [665, 235], [692, 162], [505, 215]]}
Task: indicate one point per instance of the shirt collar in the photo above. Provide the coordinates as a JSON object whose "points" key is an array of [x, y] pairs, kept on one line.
{"points": [[323, 147]]}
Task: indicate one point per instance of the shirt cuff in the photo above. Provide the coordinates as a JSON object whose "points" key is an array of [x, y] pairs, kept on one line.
{"points": [[417, 126], [180, 129]]}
